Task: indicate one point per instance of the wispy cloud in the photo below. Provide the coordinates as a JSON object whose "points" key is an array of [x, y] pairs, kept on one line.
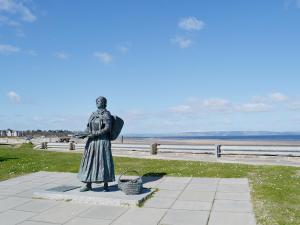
{"points": [[104, 57], [187, 24], [272, 97], [191, 24], [9, 22], [220, 105], [289, 3], [17, 8], [8, 49], [62, 55], [14, 97], [32, 52], [181, 109], [182, 42], [278, 97], [124, 48], [254, 107], [294, 105], [13, 13]]}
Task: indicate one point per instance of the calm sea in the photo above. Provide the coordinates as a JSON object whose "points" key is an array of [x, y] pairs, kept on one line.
{"points": [[233, 138]]}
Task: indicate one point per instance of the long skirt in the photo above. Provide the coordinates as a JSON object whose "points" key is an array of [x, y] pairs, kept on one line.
{"points": [[97, 162]]}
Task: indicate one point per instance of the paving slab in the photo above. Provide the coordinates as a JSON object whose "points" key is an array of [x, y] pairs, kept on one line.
{"points": [[159, 203], [234, 188], [201, 187], [197, 180], [29, 222], [141, 216], [167, 194], [173, 186], [192, 205], [204, 196], [185, 217], [232, 206], [104, 212], [234, 181], [11, 202], [224, 218], [61, 213], [37, 205], [244, 196], [88, 221], [12, 217]]}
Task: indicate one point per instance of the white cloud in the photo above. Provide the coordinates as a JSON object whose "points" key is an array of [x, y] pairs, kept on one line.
{"points": [[216, 104], [272, 97], [7, 21], [14, 97], [278, 97], [254, 107], [104, 57], [17, 8], [207, 105], [191, 23], [181, 109], [124, 48], [7, 49], [182, 42], [289, 3], [62, 55], [32, 52], [295, 105], [219, 105]]}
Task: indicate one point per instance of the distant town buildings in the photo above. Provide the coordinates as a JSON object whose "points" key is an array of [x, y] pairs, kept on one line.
{"points": [[10, 133], [35, 133]]}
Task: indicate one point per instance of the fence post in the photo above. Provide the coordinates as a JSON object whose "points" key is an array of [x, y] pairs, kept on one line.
{"points": [[218, 151], [72, 146], [44, 145], [153, 150]]}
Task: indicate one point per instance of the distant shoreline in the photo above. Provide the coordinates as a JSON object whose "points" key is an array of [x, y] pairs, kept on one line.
{"points": [[229, 140]]}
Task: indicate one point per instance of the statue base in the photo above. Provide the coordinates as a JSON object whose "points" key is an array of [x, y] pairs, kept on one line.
{"points": [[96, 196]]}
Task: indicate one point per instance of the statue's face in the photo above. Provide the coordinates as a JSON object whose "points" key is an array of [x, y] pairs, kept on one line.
{"points": [[101, 103]]}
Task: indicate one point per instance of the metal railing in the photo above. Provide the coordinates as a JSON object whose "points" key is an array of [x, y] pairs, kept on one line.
{"points": [[217, 150]]}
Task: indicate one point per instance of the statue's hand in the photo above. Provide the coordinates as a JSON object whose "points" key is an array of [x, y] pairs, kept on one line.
{"points": [[94, 134], [91, 136]]}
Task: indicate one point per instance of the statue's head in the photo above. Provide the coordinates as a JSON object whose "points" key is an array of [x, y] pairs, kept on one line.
{"points": [[101, 102]]}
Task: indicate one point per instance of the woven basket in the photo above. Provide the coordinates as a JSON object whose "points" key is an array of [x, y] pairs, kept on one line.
{"points": [[131, 186]]}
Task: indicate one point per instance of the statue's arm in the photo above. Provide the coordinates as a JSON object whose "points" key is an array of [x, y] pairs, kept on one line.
{"points": [[86, 132]]}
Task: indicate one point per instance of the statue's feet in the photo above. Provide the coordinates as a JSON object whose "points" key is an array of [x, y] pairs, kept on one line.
{"points": [[105, 187], [86, 187]]}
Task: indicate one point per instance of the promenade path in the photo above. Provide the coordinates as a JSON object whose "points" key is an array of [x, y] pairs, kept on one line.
{"points": [[178, 201], [249, 160]]}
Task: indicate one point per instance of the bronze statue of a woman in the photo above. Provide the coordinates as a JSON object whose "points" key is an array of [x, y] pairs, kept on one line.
{"points": [[97, 164]]}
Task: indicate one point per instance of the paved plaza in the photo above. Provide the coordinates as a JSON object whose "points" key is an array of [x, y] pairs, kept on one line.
{"points": [[177, 201]]}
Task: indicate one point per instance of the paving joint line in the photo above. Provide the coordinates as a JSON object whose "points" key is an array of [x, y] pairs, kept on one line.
{"points": [[113, 220], [213, 202], [175, 200]]}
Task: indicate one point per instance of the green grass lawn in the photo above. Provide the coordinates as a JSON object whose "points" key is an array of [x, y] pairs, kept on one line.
{"points": [[275, 189]]}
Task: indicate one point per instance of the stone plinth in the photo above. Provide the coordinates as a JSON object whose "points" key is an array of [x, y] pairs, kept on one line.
{"points": [[114, 197]]}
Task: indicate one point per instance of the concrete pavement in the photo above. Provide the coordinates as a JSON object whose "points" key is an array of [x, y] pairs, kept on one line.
{"points": [[178, 201]]}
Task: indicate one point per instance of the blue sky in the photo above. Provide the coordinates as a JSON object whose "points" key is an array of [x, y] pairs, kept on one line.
{"points": [[165, 66]]}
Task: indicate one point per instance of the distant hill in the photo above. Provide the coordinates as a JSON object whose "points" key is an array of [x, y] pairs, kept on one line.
{"points": [[215, 133]]}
